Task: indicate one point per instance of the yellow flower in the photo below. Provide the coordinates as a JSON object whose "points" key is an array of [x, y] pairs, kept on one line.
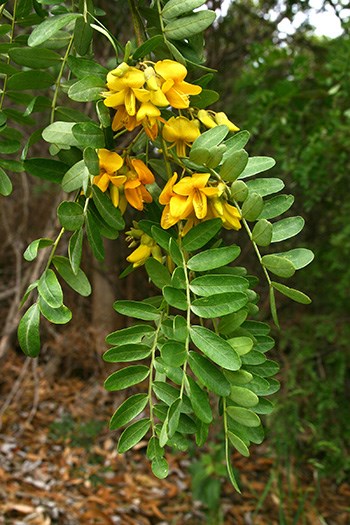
{"points": [[122, 119], [188, 196], [147, 248], [110, 163], [125, 89], [174, 87], [180, 132], [210, 119], [229, 214]]}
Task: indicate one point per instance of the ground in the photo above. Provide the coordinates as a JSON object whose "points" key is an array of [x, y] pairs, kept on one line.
{"points": [[59, 465]]}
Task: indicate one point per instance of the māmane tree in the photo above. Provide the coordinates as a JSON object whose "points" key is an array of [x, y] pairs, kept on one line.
{"points": [[154, 161]]}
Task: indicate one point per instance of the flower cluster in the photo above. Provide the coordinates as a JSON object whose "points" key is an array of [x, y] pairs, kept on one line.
{"points": [[126, 180], [143, 95], [137, 94]]}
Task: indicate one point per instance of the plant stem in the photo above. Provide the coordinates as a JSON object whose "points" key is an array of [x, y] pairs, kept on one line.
{"points": [[150, 385], [188, 318]]}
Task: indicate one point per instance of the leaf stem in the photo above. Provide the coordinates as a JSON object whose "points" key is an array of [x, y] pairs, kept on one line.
{"points": [[150, 384], [58, 80]]}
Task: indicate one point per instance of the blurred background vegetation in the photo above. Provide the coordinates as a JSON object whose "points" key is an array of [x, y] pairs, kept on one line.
{"points": [[292, 92]]}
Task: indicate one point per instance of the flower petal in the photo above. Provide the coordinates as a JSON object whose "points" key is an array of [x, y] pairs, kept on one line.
{"points": [[144, 173], [170, 69], [167, 193], [200, 204]]}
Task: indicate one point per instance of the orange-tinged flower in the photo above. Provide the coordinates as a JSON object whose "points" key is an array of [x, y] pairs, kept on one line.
{"points": [[134, 188], [122, 119], [180, 132], [174, 87]]}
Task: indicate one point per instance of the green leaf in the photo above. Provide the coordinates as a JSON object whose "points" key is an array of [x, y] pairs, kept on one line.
{"points": [[127, 352], [293, 294], [132, 334], [189, 25], [173, 353], [169, 394], [128, 410], [208, 285], [126, 377], [89, 134], [229, 323], [276, 206], [262, 233], [173, 416], [161, 236], [28, 331], [213, 258], [136, 309], [287, 228], [175, 297], [178, 279], [9, 146], [219, 304], [265, 186], [267, 369], [91, 161], [199, 235], [148, 46], [30, 80], [71, 215], [75, 177], [252, 206], [243, 416], [32, 251], [107, 210], [49, 27], [39, 58], [11, 165], [174, 8], [243, 397], [83, 34], [206, 98], [60, 315], [199, 401], [215, 347], [264, 407], [278, 265], [175, 252], [87, 89], [75, 249], [240, 377], [234, 165], [5, 184], [160, 467], [209, 375], [257, 165], [299, 257], [60, 133], [50, 289], [47, 169], [158, 273], [242, 344], [210, 138], [237, 142], [238, 444], [154, 450], [94, 236], [79, 282], [83, 67], [133, 434]]}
